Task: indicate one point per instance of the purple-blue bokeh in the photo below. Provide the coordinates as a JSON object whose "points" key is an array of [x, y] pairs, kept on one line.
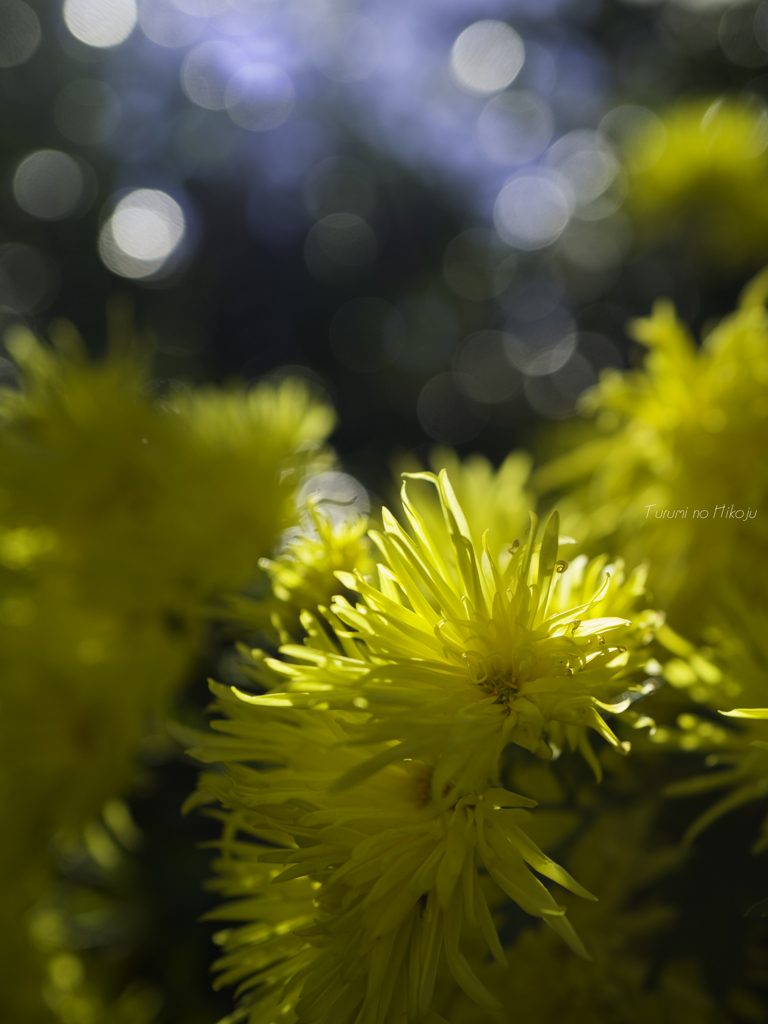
{"points": [[408, 107]]}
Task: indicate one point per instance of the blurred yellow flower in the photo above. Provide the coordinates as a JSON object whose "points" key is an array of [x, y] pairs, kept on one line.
{"points": [[675, 470], [121, 520], [700, 178], [302, 572], [736, 751]]}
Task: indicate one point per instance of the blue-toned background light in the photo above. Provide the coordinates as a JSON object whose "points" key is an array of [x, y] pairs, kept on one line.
{"points": [[100, 23]]}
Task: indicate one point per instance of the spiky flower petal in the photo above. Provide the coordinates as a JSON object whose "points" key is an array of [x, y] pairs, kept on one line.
{"points": [[493, 500], [621, 985], [375, 884], [455, 655], [675, 470]]}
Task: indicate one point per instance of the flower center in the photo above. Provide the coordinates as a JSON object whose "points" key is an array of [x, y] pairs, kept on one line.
{"points": [[500, 683], [501, 674], [496, 675]]}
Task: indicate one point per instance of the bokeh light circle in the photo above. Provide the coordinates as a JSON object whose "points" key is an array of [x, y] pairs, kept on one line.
{"points": [[340, 248], [19, 33], [586, 163], [541, 346], [259, 97], [531, 212], [637, 132], [148, 224], [100, 23], [206, 73], [554, 396], [49, 185], [165, 24], [145, 229], [487, 57], [340, 497]]}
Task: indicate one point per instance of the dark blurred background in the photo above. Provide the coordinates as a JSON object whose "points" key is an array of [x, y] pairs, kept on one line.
{"points": [[420, 205], [380, 193]]}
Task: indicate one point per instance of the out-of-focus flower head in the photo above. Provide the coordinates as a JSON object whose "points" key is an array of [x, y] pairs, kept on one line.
{"points": [[305, 575], [186, 493], [675, 469], [736, 751], [302, 572], [376, 883], [83, 918], [739, 763], [121, 519], [700, 176]]}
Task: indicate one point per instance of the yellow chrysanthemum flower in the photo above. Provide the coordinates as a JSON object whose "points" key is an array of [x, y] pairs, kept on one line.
{"points": [[120, 521], [384, 744], [456, 657], [700, 177], [121, 486], [376, 884], [493, 500], [304, 575], [675, 470], [302, 572]]}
